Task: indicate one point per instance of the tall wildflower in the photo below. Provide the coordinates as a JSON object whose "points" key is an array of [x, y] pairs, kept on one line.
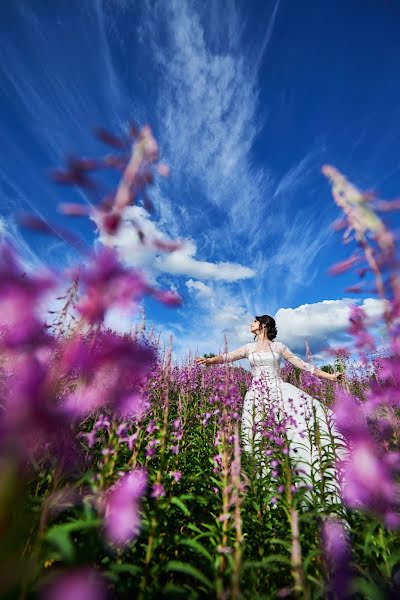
{"points": [[54, 378], [122, 505], [371, 471]]}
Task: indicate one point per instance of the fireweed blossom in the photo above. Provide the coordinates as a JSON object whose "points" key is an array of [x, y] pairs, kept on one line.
{"points": [[369, 473], [109, 371], [122, 506], [336, 550], [106, 283], [355, 204], [20, 295], [80, 584]]}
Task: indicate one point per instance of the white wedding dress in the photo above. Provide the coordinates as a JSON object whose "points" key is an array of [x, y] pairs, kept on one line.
{"points": [[276, 410]]}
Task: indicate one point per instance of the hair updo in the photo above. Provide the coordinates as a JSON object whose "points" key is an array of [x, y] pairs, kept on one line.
{"points": [[269, 323]]}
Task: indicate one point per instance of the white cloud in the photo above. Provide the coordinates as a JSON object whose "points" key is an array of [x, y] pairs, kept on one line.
{"points": [[296, 176], [182, 262], [179, 262], [208, 105], [323, 323], [120, 321], [201, 289]]}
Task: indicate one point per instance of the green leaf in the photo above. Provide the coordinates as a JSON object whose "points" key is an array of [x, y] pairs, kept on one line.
{"points": [[368, 589], [266, 562], [117, 569], [195, 545], [60, 535], [178, 590], [393, 559], [124, 568], [283, 543], [186, 569], [61, 540], [177, 502]]}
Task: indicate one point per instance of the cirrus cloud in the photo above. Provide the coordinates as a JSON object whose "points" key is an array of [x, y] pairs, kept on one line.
{"points": [[179, 262]]}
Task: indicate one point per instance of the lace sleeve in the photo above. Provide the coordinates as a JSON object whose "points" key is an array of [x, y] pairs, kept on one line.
{"points": [[237, 354], [296, 360]]}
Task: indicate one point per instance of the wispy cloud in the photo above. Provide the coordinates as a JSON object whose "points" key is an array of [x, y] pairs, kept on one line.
{"points": [[179, 262], [208, 109], [207, 106], [296, 176], [267, 37]]}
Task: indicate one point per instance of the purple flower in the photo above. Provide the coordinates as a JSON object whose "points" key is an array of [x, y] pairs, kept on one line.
{"points": [[206, 418], [134, 406], [336, 548], [368, 480], [158, 491], [108, 370], [82, 584], [357, 329], [176, 475], [368, 473], [131, 440], [122, 520], [108, 284], [20, 294], [349, 417], [151, 427]]}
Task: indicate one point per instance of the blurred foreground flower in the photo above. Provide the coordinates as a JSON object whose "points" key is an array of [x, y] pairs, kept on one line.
{"points": [[336, 550], [82, 584], [122, 505]]}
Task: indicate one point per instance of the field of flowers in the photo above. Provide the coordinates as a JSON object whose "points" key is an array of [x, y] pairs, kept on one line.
{"points": [[122, 473]]}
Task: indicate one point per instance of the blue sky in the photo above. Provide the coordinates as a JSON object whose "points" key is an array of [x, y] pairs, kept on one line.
{"points": [[247, 100]]}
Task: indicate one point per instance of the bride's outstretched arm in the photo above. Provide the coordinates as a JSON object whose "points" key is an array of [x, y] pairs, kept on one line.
{"points": [[305, 366], [237, 354]]}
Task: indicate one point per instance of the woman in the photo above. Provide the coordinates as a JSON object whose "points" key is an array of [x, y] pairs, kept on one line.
{"points": [[272, 405]]}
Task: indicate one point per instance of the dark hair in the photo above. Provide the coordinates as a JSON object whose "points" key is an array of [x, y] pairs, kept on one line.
{"points": [[269, 323]]}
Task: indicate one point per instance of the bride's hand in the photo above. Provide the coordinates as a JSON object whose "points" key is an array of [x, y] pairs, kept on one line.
{"points": [[337, 376], [201, 361]]}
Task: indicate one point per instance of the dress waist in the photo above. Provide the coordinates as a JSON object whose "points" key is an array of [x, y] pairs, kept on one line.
{"points": [[266, 374], [270, 371]]}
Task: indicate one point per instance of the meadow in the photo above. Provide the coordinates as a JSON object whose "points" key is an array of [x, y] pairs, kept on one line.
{"points": [[123, 474]]}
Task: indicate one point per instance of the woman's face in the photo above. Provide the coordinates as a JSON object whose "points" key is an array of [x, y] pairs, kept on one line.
{"points": [[255, 326]]}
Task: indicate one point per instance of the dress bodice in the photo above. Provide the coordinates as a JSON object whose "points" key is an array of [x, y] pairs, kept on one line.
{"points": [[265, 357]]}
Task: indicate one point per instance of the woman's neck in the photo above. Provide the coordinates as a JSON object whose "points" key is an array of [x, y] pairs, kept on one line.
{"points": [[263, 340]]}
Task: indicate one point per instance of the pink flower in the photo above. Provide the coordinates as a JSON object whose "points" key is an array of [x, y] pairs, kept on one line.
{"points": [[108, 284], [109, 370], [176, 475], [224, 517], [82, 584], [158, 491], [20, 294], [349, 417], [170, 298], [134, 406], [368, 481], [336, 548], [122, 520]]}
